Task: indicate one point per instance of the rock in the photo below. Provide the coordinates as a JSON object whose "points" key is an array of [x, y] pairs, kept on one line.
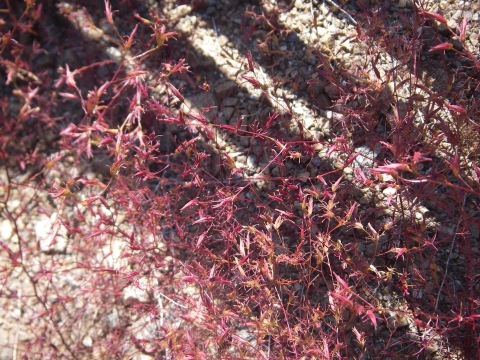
{"points": [[229, 102], [6, 230], [305, 71], [251, 161], [445, 29], [370, 249], [317, 88], [419, 216], [50, 234], [222, 40], [43, 60], [132, 295], [226, 89], [192, 59], [304, 177], [366, 157], [457, 44], [179, 12], [245, 141], [211, 10], [460, 14], [197, 60], [310, 59], [473, 39], [348, 171], [389, 191], [228, 112], [205, 103], [332, 91], [361, 247], [221, 120], [100, 165], [74, 59], [297, 205], [308, 122], [87, 341], [347, 46], [235, 119], [92, 33], [187, 25], [299, 4], [230, 3], [397, 320], [292, 37], [323, 102], [474, 231], [302, 85]]}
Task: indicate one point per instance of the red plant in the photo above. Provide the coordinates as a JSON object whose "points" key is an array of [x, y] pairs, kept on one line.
{"points": [[129, 229]]}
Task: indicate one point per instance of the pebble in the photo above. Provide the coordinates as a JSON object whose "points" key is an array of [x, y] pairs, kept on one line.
{"points": [[299, 4], [6, 230], [458, 15], [366, 157], [474, 231], [211, 10], [242, 159], [332, 91], [297, 205], [348, 171], [418, 216], [323, 102], [179, 12], [389, 191], [50, 234], [308, 122], [347, 46], [251, 162], [229, 102], [304, 177], [87, 341], [228, 112], [222, 40], [113, 53], [226, 89], [310, 59], [457, 44]]}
